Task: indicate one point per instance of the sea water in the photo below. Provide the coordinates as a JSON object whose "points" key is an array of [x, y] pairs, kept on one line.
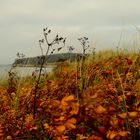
{"points": [[21, 71]]}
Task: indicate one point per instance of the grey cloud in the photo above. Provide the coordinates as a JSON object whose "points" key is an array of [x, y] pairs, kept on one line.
{"points": [[21, 22]]}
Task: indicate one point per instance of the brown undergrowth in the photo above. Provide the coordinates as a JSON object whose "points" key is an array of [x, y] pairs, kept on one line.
{"points": [[108, 107]]}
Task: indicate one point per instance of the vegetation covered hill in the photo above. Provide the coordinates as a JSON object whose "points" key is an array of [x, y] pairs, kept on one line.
{"points": [[97, 98], [49, 59]]}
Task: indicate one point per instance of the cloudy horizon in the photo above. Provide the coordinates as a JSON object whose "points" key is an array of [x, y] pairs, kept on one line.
{"points": [[103, 21]]}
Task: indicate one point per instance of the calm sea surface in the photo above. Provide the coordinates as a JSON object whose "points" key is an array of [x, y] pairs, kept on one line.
{"points": [[21, 71]]}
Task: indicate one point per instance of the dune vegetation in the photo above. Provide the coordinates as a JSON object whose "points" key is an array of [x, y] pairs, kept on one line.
{"points": [[94, 98], [98, 98]]}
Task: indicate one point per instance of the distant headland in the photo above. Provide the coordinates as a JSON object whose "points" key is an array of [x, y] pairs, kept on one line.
{"points": [[52, 59]]}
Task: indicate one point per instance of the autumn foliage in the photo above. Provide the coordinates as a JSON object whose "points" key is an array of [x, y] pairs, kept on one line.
{"points": [[108, 108]]}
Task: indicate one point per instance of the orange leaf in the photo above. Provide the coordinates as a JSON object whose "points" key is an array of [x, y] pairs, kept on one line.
{"points": [[122, 115], [61, 118], [55, 103], [46, 125], [112, 134], [33, 128], [124, 133], [100, 109], [70, 124], [114, 122], [63, 104], [133, 114], [60, 129], [94, 96], [69, 98], [8, 138], [81, 137], [65, 100], [75, 109], [65, 137], [28, 120]]}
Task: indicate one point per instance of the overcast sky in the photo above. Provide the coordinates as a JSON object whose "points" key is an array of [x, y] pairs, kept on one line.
{"points": [[103, 21]]}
